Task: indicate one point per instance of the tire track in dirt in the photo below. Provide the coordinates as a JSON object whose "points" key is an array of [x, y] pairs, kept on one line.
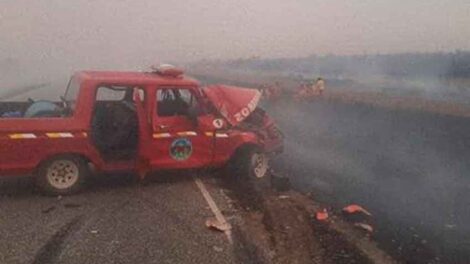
{"points": [[48, 253], [54, 246]]}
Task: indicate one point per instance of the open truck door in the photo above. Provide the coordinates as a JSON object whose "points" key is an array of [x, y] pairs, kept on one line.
{"points": [[143, 157]]}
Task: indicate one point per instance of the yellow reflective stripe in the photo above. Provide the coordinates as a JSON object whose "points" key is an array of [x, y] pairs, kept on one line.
{"points": [[162, 135], [22, 136], [187, 133], [59, 135], [219, 135]]}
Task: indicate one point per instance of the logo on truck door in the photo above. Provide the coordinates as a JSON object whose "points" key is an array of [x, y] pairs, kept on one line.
{"points": [[181, 149]]}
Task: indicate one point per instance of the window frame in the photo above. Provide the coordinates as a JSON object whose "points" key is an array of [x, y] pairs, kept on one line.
{"points": [[157, 118], [105, 86]]}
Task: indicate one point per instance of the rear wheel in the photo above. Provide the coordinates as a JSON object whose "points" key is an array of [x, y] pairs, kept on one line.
{"points": [[62, 175]]}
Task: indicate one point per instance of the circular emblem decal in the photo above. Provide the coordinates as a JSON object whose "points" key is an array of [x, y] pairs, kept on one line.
{"points": [[218, 123], [181, 149]]}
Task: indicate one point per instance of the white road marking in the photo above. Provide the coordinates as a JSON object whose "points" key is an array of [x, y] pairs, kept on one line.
{"points": [[213, 206]]}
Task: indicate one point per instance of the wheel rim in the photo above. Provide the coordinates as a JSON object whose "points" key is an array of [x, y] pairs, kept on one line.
{"points": [[62, 174], [259, 163]]}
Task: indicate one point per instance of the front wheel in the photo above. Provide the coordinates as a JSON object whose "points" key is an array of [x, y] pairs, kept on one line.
{"points": [[251, 166], [62, 175], [259, 165]]}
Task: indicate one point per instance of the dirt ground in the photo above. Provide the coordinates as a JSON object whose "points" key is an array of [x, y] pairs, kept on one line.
{"points": [[282, 228]]}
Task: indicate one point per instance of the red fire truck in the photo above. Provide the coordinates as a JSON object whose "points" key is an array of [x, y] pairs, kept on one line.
{"points": [[135, 121]]}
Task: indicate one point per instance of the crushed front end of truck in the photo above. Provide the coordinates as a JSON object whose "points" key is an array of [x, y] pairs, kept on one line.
{"points": [[239, 107]]}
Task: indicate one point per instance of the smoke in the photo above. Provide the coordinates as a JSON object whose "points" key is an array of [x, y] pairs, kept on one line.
{"points": [[44, 41], [408, 168]]}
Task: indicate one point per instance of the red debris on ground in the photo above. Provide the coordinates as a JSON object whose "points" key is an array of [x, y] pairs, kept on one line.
{"points": [[354, 208], [322, 215]]}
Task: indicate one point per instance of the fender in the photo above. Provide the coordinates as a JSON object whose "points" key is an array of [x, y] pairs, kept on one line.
{"points": [[226, 147], [88, 155]]}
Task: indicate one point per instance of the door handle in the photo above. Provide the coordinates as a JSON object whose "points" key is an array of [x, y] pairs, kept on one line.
{"points": [[161, 127]]}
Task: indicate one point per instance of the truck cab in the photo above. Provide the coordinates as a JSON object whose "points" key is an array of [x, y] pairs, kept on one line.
{"points": [[139, 122]]}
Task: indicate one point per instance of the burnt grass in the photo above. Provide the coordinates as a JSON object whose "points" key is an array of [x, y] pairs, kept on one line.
{"points": [[409, 168]]}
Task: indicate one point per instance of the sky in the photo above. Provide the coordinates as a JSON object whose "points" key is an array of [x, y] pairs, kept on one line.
{"points": [[66, 35]]}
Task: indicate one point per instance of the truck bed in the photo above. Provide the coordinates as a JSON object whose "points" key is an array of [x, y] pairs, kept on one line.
{"points": [[8, 107]]}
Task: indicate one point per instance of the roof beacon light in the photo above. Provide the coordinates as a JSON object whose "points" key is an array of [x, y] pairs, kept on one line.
{"points": [[167, 70]]}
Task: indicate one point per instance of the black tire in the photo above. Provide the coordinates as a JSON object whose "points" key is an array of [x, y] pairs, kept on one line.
{"points": [[62, 175], [243, 169]]}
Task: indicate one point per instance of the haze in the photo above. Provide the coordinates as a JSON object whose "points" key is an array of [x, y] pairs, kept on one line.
{"points": [[68, 35]]}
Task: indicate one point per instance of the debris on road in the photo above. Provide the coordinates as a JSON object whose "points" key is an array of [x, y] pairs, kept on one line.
{"points": [[365, 227], [213, 223], [322, 215], [359, 217], [94, 231], [282, 231], [354, 208]]}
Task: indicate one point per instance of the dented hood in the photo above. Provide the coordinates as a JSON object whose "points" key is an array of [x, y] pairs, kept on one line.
{"points": [[235, 104]]}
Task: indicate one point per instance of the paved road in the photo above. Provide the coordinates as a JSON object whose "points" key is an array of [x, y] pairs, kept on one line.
{"points": [[114, 221]]}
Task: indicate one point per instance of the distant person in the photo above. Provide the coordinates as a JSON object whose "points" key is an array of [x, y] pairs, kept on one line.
{"points": [[320, 86]]}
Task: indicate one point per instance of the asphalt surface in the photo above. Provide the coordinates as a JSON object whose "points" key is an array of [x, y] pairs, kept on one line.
{"points": [[409, 168], [115, 221]]}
